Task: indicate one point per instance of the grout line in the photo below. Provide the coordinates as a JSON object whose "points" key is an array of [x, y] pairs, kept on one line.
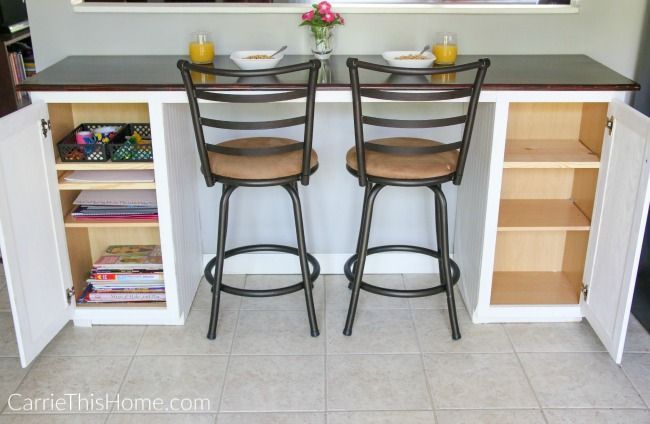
{"points": [[421, 354], [638, 392], [521, 365], [325, 328], [128, 368], [229, 357]]}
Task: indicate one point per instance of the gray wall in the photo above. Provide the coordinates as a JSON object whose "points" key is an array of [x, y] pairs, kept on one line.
{"points": [[608, 31]]}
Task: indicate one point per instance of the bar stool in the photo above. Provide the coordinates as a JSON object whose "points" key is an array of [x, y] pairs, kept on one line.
{"points": [[408, 162], [256, 162]]}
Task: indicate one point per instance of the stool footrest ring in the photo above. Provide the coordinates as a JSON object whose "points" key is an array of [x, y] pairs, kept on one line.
{"points": [[349, 264], [209, 271]]}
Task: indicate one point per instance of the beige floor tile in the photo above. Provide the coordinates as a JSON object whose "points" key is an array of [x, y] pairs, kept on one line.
{"points": [[374, 331], [478, 381], [272, 418], [168, 377], [637, 368], [277, 333], [203, 298], [89, 377], [274, 383], [434, 332], [527, 416], [597, 416], [338, 294], [579, 380], [96, 340], [4, 299], [423, 281], [638, 338], [8, 346], [161, 419], [369, 382], [554, 337], [11, 374], [381, 417], [294, 301], [190, 339], [54, 419]]}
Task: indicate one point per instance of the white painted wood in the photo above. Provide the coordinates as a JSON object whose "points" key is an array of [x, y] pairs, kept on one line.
{"points": [[103, 315], [618, 223], [494, 177], [472, 207], [79, 6], [179, 218], [535, 313], [31, 232]]}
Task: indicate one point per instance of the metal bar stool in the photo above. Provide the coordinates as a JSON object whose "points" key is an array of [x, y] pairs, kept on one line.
{"points": [[256, 162], [408, 162]]}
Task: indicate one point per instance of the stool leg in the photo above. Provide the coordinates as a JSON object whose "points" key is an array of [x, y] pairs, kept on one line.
{"points": [[218, 266], [361, 258], [442, 235], [292, 189], [363, 208]]}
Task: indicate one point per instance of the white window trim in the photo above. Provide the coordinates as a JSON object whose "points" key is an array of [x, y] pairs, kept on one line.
{"points": [[486, 9]]}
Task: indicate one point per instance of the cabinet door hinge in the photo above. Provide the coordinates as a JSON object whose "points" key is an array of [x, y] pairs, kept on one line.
{"points": [[69, 293], [585, 292], [610, 124], [46, 126]]}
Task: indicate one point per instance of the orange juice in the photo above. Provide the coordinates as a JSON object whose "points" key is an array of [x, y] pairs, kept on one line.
{"points": [[445, 53], [201, 52]]}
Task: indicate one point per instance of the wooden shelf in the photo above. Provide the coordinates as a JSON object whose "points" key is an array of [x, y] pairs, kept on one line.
{"points": [[101, 166], [70, 222], [544, 153], [535, 288], [65, 185], [541, 215]]}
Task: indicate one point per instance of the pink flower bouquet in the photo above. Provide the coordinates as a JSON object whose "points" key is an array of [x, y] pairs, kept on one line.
{"points": [[321, 20]]}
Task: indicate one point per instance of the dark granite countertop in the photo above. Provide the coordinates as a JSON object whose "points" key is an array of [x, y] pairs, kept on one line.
{"points": [[159, 73]]}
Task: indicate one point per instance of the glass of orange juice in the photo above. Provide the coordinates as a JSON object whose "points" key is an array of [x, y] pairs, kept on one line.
{"points": [[446, 48], [201, 48]]}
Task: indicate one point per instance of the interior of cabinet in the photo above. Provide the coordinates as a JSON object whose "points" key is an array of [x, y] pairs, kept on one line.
{"points": [[551, 163], [87, 241]]}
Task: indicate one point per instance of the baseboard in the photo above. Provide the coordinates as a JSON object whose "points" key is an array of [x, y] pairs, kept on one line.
{"points": [[330, 263]]}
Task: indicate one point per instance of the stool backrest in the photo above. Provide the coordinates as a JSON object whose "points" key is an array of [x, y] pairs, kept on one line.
{"points": [[196, 93], [360, 90]]}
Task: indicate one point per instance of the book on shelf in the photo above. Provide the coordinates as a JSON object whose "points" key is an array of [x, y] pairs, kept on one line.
{"points": [[113, 205], [126, 273], [124, 176], [129, 257], [116, 198], [92, 296]]}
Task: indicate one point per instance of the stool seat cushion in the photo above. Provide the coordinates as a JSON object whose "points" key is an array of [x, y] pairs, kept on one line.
{"points": [[402, 166], [264, 167]]}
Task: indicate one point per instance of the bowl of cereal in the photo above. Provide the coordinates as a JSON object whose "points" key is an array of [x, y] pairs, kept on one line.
{"points": [[250, 60], [409, 59]]}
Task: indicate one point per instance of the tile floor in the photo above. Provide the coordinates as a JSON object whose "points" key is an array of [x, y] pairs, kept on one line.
{"points": [[400, 365]]}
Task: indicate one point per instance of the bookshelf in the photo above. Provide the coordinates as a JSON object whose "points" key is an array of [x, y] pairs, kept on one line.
{"points": [[10, 99]]}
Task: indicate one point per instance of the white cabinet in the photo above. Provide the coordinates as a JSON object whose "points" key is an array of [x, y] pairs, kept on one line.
{"points": [[47, 255], [572, 196], [550, 202]]}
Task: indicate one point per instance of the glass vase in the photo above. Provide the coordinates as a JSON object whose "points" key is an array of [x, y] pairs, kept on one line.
{"points": [[323, 45]]}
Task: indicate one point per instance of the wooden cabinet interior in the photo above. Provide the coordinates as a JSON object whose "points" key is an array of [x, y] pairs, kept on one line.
{"points": [[86, 241], [551, 163]]}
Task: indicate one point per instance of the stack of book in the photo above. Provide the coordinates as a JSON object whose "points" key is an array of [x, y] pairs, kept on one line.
{"points": [[115, 205], [131, 273]]}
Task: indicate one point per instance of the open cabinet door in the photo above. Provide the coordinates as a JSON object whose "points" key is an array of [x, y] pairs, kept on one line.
{"points": [[32, 237], [620, 212]]}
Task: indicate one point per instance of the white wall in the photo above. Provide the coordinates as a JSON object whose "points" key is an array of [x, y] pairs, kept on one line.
{"points": [[608, 31]]}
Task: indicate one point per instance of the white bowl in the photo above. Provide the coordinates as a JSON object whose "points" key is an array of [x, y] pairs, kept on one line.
{"points": [[391, 58], [252, 64]]}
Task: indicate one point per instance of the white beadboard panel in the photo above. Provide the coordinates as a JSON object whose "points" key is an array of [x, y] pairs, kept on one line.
{"points": [[474, 214], [176, 170]]}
